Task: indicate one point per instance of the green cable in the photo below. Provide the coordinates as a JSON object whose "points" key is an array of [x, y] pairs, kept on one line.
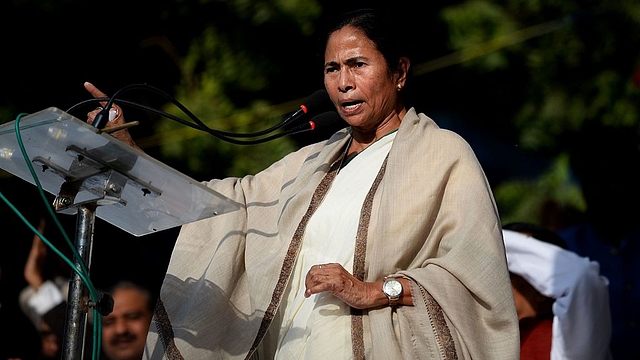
{"points": [[84, 274]]}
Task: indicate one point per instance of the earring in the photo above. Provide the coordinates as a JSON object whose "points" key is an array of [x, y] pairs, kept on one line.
{"points": [[399, 87]]}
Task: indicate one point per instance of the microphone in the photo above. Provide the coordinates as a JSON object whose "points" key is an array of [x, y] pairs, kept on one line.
{"points": [[101, 118], [324, 120], [316, 103]]}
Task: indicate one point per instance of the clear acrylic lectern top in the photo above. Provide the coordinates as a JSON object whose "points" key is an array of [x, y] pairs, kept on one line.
{"points": [[80, 164]]}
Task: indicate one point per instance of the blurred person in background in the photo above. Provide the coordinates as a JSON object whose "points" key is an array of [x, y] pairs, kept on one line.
{"points": [[561, 298], [124, 330], [43, 300], [606, 160]]}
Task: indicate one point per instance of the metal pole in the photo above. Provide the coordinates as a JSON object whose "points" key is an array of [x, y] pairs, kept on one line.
{"points": [[78, 298]]}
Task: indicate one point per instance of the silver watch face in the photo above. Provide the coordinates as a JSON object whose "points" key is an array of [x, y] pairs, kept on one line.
{"points": [[392, 288]]}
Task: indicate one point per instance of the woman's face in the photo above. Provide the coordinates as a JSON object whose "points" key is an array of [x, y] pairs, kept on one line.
{"points": [[358, 81]]}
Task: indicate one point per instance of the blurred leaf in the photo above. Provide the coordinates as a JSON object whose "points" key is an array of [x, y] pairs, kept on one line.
{"points": [[527, 200], [575, 61]]}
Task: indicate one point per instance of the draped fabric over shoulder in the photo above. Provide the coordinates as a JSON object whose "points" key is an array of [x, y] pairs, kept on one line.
{"points": [[432, 219]]}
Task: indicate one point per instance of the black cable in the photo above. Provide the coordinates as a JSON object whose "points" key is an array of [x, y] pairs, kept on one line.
{"points": [[139, 106], [199, 125]]}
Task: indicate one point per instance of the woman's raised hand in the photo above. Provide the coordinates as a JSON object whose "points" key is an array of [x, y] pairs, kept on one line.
{"points": [[116, 117]]}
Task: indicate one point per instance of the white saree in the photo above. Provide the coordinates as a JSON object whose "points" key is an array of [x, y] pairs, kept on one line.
{"points": [[429, 216], [319, 327]]}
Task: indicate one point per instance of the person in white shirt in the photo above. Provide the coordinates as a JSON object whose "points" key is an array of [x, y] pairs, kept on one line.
{"points": [[581, 322], [43, 300]]}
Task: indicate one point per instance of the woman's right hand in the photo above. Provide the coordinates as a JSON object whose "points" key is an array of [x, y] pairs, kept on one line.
{"points": [[122, 135]]}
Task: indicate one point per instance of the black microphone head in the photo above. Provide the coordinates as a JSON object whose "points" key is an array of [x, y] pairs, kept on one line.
{"points": [[317, 103], [327, 119]]}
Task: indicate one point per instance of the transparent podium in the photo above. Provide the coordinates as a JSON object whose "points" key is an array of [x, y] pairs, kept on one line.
{"points": [[92, 174]]}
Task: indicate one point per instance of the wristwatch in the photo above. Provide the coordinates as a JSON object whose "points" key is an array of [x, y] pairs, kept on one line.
{"points": [[392, 288]]}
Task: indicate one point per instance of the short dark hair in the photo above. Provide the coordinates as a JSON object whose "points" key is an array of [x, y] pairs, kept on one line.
{"points": [[128, 284], [388, 36]]}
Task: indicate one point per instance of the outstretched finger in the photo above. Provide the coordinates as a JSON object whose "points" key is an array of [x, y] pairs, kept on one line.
{"points": [[93, 90]]}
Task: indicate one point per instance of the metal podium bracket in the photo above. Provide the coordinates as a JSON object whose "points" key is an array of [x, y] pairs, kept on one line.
{"points": [[90, 181]]}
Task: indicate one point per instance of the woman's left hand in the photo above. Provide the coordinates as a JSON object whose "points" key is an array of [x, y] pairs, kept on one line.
{"points": [[335, 279]]}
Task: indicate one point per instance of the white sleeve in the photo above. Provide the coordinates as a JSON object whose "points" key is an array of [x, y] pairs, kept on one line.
{"points": [[581, 317], [46, 298]]}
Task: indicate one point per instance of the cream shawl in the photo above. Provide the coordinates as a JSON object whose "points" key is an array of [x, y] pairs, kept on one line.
{"points": [[431, 218]]}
